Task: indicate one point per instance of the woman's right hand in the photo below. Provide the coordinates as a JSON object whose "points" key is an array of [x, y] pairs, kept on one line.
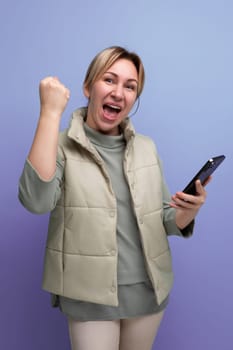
{"points": [[53, 100], [54, 97]]}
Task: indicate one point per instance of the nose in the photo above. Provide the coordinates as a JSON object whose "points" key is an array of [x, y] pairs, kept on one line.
{"points": [[117, 92]]}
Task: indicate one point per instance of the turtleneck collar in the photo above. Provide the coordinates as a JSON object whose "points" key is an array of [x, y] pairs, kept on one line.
{"points": [[76, 129], [106, 141]]}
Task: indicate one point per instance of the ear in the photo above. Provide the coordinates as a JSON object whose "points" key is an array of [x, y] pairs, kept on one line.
{"points": [[86, 91]]}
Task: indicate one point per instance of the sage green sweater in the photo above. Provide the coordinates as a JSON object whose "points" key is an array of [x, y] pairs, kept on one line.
{"points": [[131, 268]]}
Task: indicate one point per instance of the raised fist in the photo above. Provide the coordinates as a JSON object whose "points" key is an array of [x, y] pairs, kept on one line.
{"points": [[53, 96]]}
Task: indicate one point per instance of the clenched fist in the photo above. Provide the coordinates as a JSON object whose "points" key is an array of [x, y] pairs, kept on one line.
{"points": [[53, 97]]}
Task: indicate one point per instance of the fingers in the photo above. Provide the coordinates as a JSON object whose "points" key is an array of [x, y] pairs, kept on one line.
{"points": [[53, 95], [54, 83], [199, 188], [184, 200], [179, 201]]}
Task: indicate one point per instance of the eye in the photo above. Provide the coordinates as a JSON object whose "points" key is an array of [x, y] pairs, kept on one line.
{"points": [[108, 80], [131, 87]]}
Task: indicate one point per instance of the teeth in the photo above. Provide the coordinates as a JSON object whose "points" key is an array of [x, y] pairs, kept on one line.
{"points": [[114, 107]]}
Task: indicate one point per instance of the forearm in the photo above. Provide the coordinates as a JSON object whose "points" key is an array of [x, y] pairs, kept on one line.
{"points": [[42, 156], [43, 151]]}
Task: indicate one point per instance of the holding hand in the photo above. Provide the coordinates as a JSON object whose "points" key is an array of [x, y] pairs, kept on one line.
{"points": [[188, 205]]}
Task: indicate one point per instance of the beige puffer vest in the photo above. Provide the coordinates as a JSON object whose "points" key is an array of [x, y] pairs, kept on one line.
{"points": [[81, 252]]}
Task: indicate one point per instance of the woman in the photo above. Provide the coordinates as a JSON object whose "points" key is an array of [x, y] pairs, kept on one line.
{"points": [[107, 261]]}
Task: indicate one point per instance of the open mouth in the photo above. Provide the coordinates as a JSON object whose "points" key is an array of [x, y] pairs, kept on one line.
{"points": [[111, 111]]}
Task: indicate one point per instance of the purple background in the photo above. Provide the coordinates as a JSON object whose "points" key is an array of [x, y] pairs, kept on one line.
{"points": [[186, 108]]}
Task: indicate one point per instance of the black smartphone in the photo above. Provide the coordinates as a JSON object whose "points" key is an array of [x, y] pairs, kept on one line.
{"points": [[208, 168]]}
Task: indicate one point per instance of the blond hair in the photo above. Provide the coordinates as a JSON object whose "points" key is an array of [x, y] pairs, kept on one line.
{"points": [[105, 59]]}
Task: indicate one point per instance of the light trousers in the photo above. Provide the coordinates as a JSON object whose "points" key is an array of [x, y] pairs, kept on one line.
{"points": [[128, 334]]}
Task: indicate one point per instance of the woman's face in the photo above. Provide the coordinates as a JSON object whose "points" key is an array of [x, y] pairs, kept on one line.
{"points": [[112, 97]]}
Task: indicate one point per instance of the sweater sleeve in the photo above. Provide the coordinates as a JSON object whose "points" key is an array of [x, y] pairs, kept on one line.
{"points": [[37, 195], [169, 213]]}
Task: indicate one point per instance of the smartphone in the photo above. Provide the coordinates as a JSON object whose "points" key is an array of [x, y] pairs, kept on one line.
{"points": [[208, 168]]}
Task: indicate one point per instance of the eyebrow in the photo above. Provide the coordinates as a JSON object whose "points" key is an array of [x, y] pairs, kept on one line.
{"points": [[116, 75]]}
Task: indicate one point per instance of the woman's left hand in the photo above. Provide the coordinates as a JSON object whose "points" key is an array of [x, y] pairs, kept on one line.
{"points": [[188, 205]]}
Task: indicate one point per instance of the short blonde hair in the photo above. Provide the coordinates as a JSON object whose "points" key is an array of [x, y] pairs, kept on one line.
{"points": [[106, 58]]}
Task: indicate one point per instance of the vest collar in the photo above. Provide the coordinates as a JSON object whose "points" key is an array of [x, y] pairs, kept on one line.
{"points": [[77, 133]]}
